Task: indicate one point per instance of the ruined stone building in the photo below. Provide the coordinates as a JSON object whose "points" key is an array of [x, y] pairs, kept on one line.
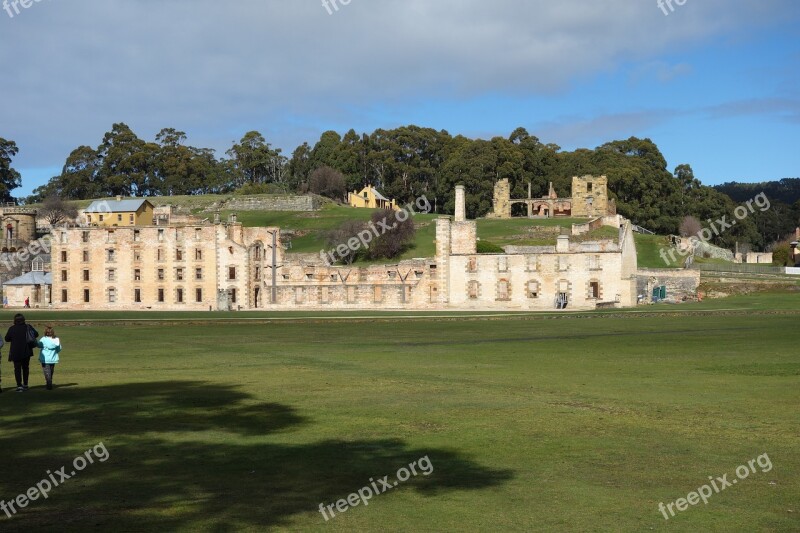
{"points": [[191, 267], [227, 266], [589, 199], [19, 226]]}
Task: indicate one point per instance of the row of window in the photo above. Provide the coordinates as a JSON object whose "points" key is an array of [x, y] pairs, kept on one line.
{"points": [[533, 289], [179, 295], [533, 263], [180, 274], [137, 234], [108, 217], [111, 255]]}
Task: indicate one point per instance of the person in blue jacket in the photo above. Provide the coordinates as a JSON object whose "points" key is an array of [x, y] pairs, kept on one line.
{"points": [[48, 355]]}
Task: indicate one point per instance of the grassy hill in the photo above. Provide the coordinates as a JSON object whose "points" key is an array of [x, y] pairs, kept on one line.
{"points": [[306, 231]]}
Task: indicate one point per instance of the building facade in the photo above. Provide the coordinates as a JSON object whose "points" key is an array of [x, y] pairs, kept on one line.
{"points": [[589, 200], [192, 267], [227, 266], [19, 226]]}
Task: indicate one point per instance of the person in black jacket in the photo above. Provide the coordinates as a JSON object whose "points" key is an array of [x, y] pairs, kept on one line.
{"points": [[20, 352]]}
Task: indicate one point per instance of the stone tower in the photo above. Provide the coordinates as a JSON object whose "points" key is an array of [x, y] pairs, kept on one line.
{"points": [[590, 196], [502, 200]]}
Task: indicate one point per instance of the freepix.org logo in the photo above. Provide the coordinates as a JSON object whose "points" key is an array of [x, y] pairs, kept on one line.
{"points": [[12, 7]]}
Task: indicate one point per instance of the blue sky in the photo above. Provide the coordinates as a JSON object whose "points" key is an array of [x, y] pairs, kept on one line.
{"points": [[715, 84]]}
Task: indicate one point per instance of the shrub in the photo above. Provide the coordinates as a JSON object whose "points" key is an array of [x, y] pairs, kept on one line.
{"points": [[486, 247], [327, 182]]}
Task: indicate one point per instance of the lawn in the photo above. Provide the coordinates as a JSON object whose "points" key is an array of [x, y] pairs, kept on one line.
{"points": [[530, 423], [649, 252]]}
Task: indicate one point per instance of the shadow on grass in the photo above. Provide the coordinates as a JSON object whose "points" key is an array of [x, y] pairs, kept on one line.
{"points": [[192, 455]]}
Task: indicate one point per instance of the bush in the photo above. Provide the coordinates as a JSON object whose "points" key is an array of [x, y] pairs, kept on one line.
{"points": [[393, 242], [327, 182], [341, 235], [486, 247]]}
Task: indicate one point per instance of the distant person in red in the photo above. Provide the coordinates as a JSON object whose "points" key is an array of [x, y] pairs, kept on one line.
{"points": [[27, 303]]}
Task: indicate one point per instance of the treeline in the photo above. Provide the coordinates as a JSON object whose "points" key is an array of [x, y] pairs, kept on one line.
{"points": [[784, 214], [404, 163]]}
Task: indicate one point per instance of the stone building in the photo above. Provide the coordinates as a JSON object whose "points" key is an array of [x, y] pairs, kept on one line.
{"points": [[578, 275], [19, 226], [227, 266], [34, 286], [589, 199], [192, 267]]}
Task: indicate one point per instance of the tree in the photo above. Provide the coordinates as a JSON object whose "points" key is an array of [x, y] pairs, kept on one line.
{"points": [[9, 178], [255, 162], [343, 234], [690, 226], [128, 163], [184, 169], [55, 210], [327, 182], [396, 240]]}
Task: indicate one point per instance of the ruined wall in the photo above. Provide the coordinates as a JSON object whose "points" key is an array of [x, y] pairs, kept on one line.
{"points": [[164, 268], [502, 200], [21, 222], [314, 286], [680, 283], [273, 203], [590, 196], [533, 281]]}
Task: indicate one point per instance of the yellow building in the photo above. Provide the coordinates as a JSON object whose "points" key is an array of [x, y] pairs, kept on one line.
{"points": [[370, 198], [119, 212]]}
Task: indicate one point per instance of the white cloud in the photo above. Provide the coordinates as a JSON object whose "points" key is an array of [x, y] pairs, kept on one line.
{"points": [[215, 70]]}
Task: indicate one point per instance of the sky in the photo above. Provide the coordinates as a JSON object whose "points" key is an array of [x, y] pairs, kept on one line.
{"points": [[714, 83]]}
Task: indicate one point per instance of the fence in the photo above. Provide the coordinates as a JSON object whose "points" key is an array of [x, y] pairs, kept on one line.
{"points": [[740, 268]]}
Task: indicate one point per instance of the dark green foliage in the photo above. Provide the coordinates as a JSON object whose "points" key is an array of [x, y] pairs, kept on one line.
{"points": [[327, 182], [390, 244], [486, 247], [408, 162], [9, 178]]}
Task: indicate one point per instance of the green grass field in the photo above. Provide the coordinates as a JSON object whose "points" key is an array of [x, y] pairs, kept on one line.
{"points": [[306, 231], [531, 422]]}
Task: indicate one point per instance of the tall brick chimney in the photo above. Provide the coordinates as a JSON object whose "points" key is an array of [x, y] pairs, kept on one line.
{"points": [[461, 206]]}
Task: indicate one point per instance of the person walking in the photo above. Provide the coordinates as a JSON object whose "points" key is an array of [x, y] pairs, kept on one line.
{"points": [[27, 303], [21, 349], [48, 355], [2, 342]]}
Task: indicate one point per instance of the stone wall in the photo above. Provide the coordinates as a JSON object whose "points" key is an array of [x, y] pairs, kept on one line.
{"points": [[680, 283], [18, 225], [502, 200], [590, 196], [272, 203]]}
